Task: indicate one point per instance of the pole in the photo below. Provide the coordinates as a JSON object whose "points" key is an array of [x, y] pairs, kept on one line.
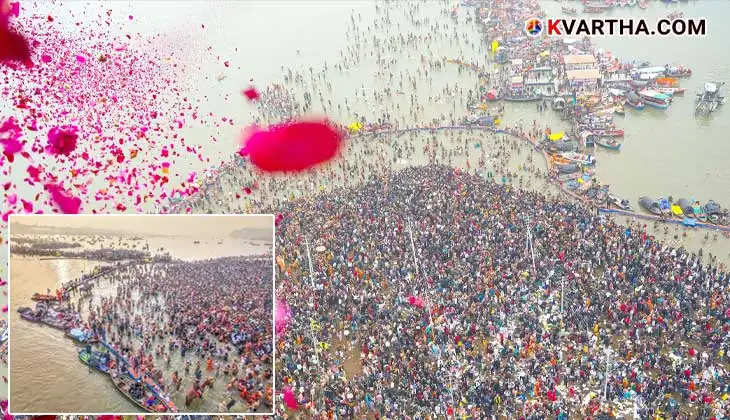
{"points": [[428, 308], [605, 383], [311, 280], [562, 292]]}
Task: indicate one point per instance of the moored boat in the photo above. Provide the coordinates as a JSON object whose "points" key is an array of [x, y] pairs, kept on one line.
{"points": [[699, 212], [677, 211], [44, 298], [670, 90], [138, 394], [623, 204], [686, 207], [634, 101], [664, 206], [95, 359], [610, 144], [650, 205], [581, 158], [654, 98]]}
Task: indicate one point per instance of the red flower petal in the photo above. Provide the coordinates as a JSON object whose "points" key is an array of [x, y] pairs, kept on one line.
{"points": [[251, 93], [62, 140], [293, 146], [65, 202], [13, 47]]}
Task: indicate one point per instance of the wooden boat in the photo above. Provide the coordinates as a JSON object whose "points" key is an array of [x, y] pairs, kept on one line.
{"points": [[686, 207], [699, 212], [610, 144], [623, 204], [678, 71], [581, 158], [667, 81], [95, 359], [655, 98], [44, 298], [609, 133], [123, 383], [522, 98], [664, 206], [650, 205], [671, 91]]}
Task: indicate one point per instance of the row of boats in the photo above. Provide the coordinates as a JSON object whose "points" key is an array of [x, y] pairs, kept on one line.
{"points": [[143, 393], [711, 212]]}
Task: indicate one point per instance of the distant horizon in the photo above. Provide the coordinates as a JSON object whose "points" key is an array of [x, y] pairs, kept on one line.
{"points": [[206, 226]]}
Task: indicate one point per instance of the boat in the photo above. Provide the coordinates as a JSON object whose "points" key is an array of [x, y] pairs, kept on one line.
{"points": [[650, 205], [95, 359], [623, 204], [568, 168], [137, 393], [634, 101], [28, 314], [664, 206], [569, 10], [81, 337], [678, 71], [610, 144], [712, 207], [44, 298], [608, 133], [686, 207], [655, 98], [562, 146], [581, 158], [667, 81], [522, 98], [670, 90], [699, 212]]}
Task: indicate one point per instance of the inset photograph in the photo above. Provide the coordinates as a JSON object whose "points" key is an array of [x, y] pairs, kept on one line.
{"points": [[135, 314]]}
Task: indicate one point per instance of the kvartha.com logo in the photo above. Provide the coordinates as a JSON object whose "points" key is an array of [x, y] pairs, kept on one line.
{"points": [[535, 27]]}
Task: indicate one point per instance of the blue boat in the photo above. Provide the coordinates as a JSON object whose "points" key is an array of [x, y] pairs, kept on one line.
{"points": [[94, 359]]}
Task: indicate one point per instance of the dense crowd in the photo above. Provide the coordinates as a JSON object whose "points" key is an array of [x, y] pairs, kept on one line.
{"points": [[215, 314], [467, 326]]}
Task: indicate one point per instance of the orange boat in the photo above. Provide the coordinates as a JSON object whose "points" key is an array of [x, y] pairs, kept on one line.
{"points": [[668, 81]]}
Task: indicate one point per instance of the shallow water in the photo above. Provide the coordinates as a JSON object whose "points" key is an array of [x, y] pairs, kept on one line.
{"points": [[44, 364]]}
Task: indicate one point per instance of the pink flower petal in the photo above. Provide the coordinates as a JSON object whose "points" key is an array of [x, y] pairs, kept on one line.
{"points": [[62, 140], [64, 201], [251, 93], [12, 199], [13, 47], [80, 59], [292, 146]]}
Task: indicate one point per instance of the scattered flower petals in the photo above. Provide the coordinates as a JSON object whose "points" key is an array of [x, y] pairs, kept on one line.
{"points": [[62, 140], [292, 146], [80, 59]]}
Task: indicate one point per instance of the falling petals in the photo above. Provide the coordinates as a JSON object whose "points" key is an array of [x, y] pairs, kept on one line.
{"points": [[289, 399], [13, 47], [80, 59], [62, 140], [282, 316], [64, 201], [292, 147], [27, 206], [251, 93], [12, 199]]}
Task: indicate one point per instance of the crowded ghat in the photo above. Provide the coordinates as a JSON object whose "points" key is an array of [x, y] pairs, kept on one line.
{"points": [[439, 270], [172, 336]]}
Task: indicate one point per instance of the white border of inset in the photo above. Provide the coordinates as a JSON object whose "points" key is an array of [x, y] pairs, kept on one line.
{"points": [[180, 413]]}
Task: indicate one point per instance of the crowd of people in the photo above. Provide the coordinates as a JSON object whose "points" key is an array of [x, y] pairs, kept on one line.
{"points": [[461, 319], [188, 326]]}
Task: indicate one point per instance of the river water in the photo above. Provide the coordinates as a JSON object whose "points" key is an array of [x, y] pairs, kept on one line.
{"points": [[46, 373]]}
